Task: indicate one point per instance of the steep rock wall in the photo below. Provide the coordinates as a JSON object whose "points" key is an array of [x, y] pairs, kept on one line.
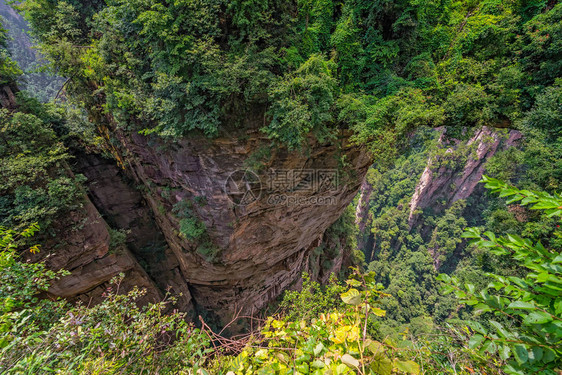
{"points": [[261, 248], [451, 184], [451, 173], [123, 207], [79, 242], [362, 213], [252, 252]]}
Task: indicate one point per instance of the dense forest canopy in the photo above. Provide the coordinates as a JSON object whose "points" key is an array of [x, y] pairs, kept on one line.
{"points": [[381, 68]]}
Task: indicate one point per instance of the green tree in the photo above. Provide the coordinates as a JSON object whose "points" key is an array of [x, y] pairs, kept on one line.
{"points": [[531, 340]]}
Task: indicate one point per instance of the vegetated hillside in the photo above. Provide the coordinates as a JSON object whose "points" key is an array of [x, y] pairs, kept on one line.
{"points": [[35, 78], [182, 94], [39, 188], [412, 216], [338, 329], [166, 202]]}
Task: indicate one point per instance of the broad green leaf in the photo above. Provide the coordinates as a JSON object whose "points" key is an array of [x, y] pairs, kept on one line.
{"points": [[507, 192], [545, 204], [536, 354], [501, 330], [521, 305], [475, 341], [528, 200], [376, 347], [409, 367], [238, 362], [261, 354], [381, 366], [490, 347], [481, 308], [378, 312], [350, 361], [477, 327], [521, 354], [549, 355], [318, 349], [370, 277], [342, 369], [537, 317], [504, 352], [351, 297], [513, 199], [317, 364]]}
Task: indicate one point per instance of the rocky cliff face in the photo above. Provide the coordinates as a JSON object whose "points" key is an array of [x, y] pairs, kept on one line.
{"points": [[7, 96], [79, 242], [82, 246], [123, 207], [174, 207], [362, 212], [257, 249], [439, 182]]}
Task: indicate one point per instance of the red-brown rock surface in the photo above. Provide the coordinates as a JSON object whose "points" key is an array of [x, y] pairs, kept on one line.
{"points": [[262, 248]]}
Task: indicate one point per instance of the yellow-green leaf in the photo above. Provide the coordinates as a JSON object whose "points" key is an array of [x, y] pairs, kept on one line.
{"points": [[350, 361], [351, 297], [409, 367]]}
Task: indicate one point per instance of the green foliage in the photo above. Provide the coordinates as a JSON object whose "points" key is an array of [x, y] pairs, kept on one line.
{"points": [[546, 112], [194, 230], [531, 340], [334, 342], [9, 70], [111, 338], [312, 300], [40, 336], [190, 227], [117, 238], [310, 68], [447, 233], [21, 311], [302, 104], [36, 185], [33, 79], [117, 336], [305, 68], [406, 258]]}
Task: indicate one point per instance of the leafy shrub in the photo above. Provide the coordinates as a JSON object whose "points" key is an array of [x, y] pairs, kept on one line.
{"points": [[333, 342], [312, 300], [36, 186], [116, 336], [531, 341], [22, 312], [191, 228]]}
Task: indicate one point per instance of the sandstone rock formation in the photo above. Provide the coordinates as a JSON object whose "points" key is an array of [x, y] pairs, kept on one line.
{"points": [[154, 192], [260, 248], [362, 212], [452, 184]]}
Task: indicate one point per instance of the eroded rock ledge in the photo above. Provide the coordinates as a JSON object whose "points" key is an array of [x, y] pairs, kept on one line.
{"points": [[260, 248], [253, 252]]}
